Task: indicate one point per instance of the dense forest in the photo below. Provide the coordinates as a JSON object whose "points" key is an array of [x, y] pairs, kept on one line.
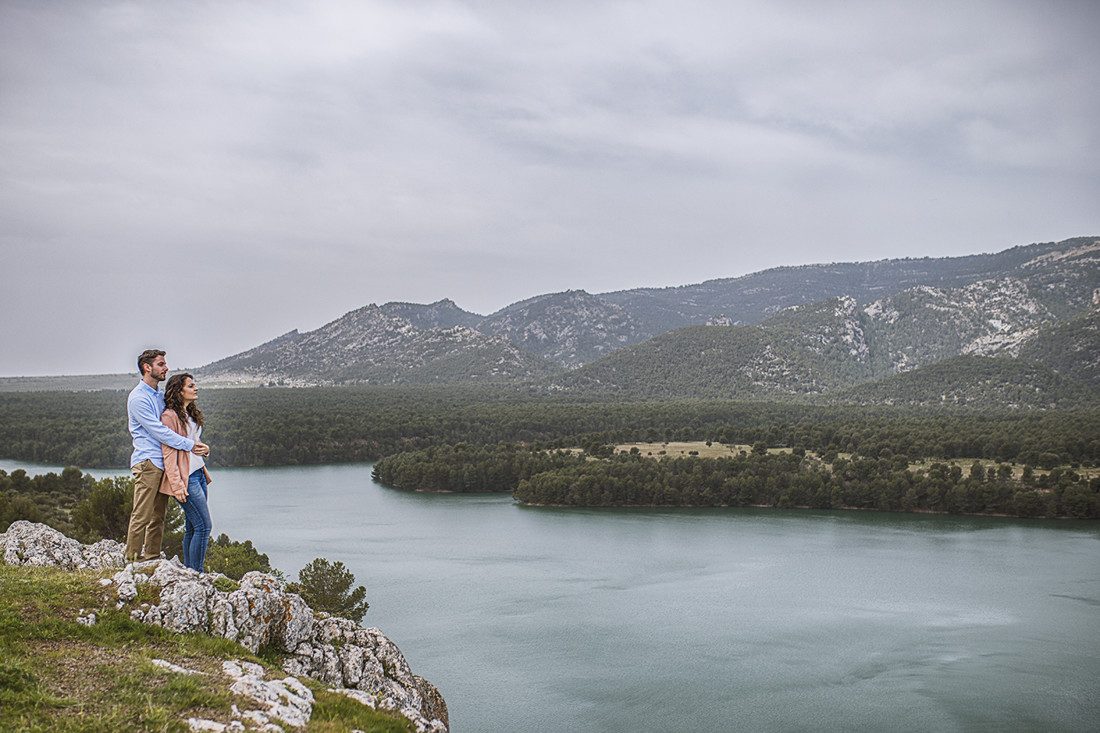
{"points": [[599, 476], [788, 480], [559, 450], [254, 427]]}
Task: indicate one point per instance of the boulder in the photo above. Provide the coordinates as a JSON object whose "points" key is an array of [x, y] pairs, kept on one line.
{"points": [[29, 543]]}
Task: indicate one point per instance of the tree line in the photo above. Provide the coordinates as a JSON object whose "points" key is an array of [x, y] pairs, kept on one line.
{"points": [[465, 468], [787, 479], [271, 427]]}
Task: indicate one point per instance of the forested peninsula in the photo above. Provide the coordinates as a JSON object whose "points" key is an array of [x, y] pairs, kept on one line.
{"points": [[759, 477]]}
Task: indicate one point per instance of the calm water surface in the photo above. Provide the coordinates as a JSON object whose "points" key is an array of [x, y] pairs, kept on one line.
{"points": [[532, 619]]}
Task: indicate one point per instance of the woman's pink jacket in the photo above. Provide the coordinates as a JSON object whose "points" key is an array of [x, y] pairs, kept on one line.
{"points": [[177, 463]]}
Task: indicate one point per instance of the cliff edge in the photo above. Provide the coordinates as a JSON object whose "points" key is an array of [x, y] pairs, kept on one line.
{"points": [[361, 663]]}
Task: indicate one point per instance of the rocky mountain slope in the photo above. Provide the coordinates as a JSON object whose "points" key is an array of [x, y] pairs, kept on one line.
{"points": [[570, 328], [375, 345], [1070, 347], [827, 348], [1063, 268], [976, 381], [823, 328], [705, 362]]}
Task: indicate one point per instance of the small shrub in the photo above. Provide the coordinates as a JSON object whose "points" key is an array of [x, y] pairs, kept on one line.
{"points": [[235, 558], [327, 587], [226, 585], [105, 512]]}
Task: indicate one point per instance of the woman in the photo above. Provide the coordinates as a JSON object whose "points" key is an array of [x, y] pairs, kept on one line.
{"points": [[185, 474]]}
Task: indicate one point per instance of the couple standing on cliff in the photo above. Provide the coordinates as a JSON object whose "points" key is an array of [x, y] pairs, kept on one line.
{"points": [[168, 460]]}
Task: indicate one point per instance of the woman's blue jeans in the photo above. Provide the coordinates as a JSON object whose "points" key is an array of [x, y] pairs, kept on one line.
{"points": [[197, 526]]}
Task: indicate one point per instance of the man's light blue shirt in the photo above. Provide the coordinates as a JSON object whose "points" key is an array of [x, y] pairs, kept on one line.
{"points": [[144, 407]]}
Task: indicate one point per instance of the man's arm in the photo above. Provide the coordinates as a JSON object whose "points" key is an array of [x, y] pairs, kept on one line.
{"points": [[143, 412]]}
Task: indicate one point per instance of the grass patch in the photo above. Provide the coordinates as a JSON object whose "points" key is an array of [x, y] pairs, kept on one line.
{"points": [[336, 713], [147, 593], [57, 674], [688, 448], [685, 449], [226, 584]]}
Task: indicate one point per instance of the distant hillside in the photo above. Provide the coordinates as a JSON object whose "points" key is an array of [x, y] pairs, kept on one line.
{"points": [[704, 362], [442, 314], [829, 334], [708, 362], [975, 381], [749, 299], [85, 383], [1071, 348], [370, 346], [570, 328], [789, 333], [834, 344], [924, 325]]}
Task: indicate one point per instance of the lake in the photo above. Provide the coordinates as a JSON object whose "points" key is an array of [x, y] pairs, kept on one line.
{"points": [[537, 619]]}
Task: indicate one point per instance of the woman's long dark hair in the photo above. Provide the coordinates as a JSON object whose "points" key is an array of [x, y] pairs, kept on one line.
{"points": [[173, 399]]}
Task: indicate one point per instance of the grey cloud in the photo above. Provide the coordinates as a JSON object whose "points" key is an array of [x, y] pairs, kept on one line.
{"points": [[302, 159]]}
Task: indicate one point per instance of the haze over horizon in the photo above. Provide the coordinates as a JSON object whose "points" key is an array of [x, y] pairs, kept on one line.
{"points": [[204, 178]]}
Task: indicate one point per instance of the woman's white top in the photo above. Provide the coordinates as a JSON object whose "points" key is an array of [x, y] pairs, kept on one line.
{"points": [[194, 432]]}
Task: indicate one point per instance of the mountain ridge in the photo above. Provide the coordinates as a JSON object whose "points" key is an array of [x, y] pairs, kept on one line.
{"points": [[825, 327]]}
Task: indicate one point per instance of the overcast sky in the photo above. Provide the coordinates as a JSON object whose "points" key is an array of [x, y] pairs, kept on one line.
{"points": [[205, 176]]}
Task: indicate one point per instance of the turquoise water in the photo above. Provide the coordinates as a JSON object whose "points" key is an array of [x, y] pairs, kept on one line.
{"points": [[535, 619]]}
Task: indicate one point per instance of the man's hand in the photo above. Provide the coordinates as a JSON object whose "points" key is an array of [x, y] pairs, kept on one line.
{"points": [[201, 449]]}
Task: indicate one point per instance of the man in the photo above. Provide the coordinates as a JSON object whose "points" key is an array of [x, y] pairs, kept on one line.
{"points": [[143, 410]]}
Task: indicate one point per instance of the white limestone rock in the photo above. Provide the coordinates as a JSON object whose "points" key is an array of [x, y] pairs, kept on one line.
{"points": [[127, 584], [222, 618], [183, 606], [297, 622], [363, 698], [257, 610], [104, 554], [29, 543], [286, 700], [175, 668], [165, 572]]}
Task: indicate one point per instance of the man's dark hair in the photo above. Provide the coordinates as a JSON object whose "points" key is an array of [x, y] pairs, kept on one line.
{"points": [[148, 357]]}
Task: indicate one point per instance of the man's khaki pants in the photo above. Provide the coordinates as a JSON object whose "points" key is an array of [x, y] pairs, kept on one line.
{"points": [[147, 519]]}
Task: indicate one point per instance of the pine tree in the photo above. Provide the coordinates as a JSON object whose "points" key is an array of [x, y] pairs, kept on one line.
{"points": [[327, 587]]}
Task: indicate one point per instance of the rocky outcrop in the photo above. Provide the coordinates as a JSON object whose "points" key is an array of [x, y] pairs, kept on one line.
{"points": [[257, 612], [26, 543]]}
